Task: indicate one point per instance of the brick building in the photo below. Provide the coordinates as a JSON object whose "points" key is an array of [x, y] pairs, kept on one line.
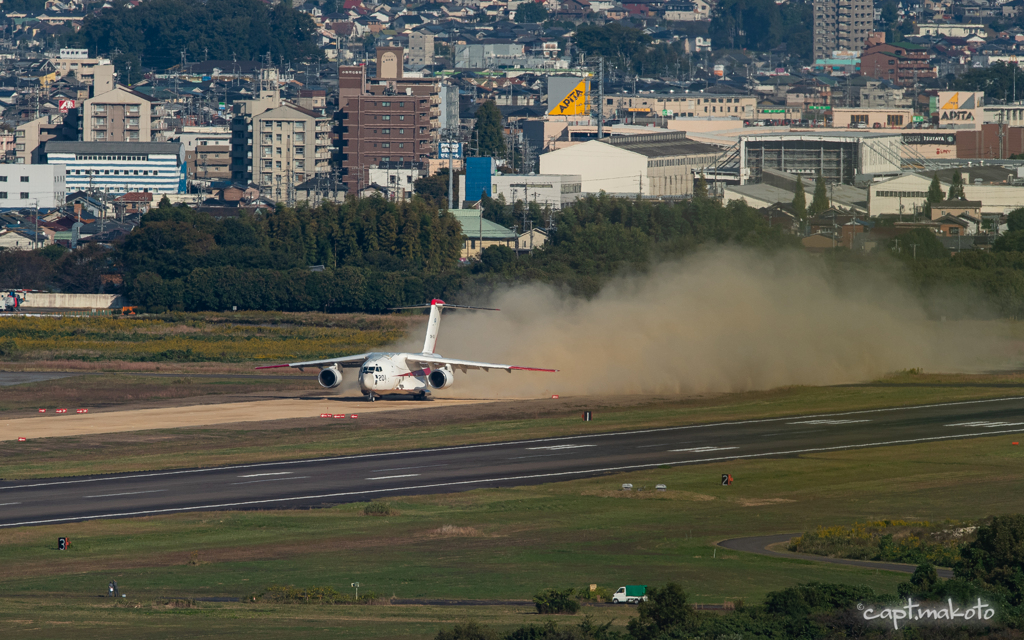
{"points": [[389, 119], [903, 64]]}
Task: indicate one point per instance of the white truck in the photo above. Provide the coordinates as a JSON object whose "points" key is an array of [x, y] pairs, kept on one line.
{"points": [[630, 594]]}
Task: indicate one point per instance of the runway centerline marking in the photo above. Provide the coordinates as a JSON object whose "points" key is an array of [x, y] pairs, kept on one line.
{"points": [[702, 449], [270, 480], [256, 475], [407, 475], [561, 446], [833, 422], [247, 503], [8, 504], [425, 466], [130, 493]]}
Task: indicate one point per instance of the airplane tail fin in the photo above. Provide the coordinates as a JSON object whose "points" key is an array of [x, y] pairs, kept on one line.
{"points": [[434, 323]]}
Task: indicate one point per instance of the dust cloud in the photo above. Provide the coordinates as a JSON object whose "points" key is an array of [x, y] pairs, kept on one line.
{"points": [[723, 320]]}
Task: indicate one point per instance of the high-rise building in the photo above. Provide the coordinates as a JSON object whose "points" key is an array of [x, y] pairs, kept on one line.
{"points": [[841, 25], [390, 120], [277, 144]]}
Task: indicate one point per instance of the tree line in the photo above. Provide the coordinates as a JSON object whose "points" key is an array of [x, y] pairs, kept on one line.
{"points": [[153, 34], [376, 254]]}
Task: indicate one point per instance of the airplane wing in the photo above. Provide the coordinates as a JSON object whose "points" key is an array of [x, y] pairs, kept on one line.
{"points": [[465, 365], [346, 361]]}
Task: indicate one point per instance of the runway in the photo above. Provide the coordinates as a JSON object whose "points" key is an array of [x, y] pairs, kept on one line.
{"points": [[448, 469]]}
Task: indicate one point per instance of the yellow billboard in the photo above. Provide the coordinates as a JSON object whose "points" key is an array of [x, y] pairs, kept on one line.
{"points": [[573, 104]]}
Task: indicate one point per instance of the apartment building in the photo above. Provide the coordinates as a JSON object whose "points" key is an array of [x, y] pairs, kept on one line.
{"points": [[77, 62], [30, 137], [697, 105], [393, 118], [421, 49], [277, 144], [28, 186], [207, 152], [841, 25], [119, 115]]}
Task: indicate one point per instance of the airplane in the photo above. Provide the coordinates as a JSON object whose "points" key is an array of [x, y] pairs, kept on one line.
{"points": [[417, 374]]}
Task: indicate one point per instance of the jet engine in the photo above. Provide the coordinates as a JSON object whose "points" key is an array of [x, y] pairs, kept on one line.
{"points": [[329, 377], [440, 379]]}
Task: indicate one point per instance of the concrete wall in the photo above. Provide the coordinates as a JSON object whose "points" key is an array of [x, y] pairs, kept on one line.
{"points": [[74, 301]]}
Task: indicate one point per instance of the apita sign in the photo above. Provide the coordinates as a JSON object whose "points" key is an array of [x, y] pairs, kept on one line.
{"points": [[960, 107]]}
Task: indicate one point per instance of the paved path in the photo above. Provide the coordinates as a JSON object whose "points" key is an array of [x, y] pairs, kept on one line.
{"points": [[760, 544]]}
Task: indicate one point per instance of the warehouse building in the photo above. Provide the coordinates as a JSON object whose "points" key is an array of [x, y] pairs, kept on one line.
{"points": [[655, 164]]}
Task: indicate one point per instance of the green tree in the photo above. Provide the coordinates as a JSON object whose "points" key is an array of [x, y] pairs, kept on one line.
{"points": [[956, 187], [155, 33], [488, 131], [935, 195], [531, 12], [1015, 220], [700, 188], [665, 614], [921, 244], [800, 199], [433, 189], [819, 204], [995, 559]]}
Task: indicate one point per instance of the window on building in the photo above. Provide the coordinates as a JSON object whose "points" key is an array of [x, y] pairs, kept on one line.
{"points": [[300, 151], [401, 117], [386, 117], [300, 137], [894, 121], [385, 104], [401, 131], [24, 178], [299, 126], [24, 195], [859, 119], [3, 195], [20, 146], [385, 144]]}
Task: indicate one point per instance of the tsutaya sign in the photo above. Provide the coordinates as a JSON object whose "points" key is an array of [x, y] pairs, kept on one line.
{"points": [[915, 613], [960, 107]]}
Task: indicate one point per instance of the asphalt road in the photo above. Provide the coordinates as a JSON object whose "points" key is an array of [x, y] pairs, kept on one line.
{"points": [[759, 545], [448, 469]]}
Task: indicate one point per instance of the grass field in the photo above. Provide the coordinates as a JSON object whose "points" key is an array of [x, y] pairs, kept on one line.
{"points": [[313, 437], [223, 338], [519, 541], [107, 390]]}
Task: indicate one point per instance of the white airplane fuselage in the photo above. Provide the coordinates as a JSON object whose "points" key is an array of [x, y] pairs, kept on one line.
{"points": [[390, 373]]}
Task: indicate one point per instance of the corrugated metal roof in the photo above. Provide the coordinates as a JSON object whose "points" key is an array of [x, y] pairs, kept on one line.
{"points": [[472, 227], [660, 145]]}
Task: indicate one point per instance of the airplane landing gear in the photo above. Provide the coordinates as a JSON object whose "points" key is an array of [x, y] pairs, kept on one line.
{"points": [[371, 397]]}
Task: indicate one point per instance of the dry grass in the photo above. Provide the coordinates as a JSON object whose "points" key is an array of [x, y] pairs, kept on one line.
{"points": [[452, 531]]}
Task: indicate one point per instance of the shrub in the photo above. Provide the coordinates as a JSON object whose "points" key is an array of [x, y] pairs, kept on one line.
{"points": [[555, 601], [378, 509]]}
